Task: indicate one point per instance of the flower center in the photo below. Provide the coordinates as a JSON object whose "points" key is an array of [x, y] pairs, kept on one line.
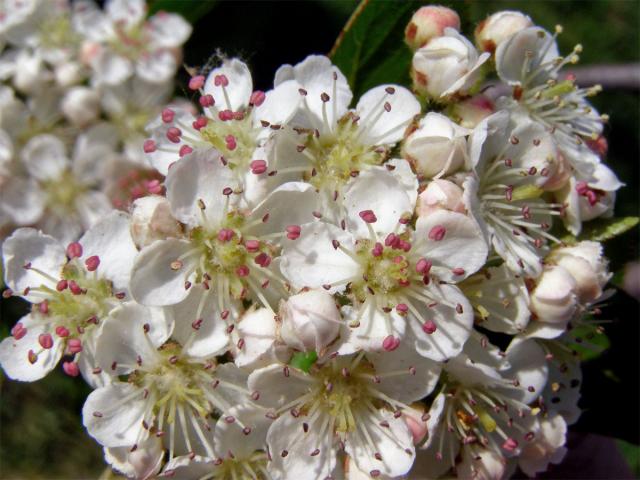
{"points": [[235, 138], [63, 192], [57, 32], [253, 467], [385, 270]]}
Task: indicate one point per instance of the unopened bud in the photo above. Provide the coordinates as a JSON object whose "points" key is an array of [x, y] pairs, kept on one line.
{"points": [[440, 195], [151, 220], [429, 22], [498, 27]]}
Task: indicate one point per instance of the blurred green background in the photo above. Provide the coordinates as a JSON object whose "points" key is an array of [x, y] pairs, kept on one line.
{"points": [[41, 435]]}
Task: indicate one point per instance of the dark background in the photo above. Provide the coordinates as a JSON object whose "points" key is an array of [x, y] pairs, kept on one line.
{"points": [[41, 435]]}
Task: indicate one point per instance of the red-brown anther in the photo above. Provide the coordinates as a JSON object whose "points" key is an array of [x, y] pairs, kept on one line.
{"points": [[149, 146], [402, 308], [207, 101], [391, 240], [225, 115], [240, 344], [200, 123], [390, 343], [533, 171], [252, 246], [225, 234], [18, 331], [32, 357], [368, 216], [242, 271], [43, 307], [458, 271], [387, 107], [71, 369], [375, 473], [325, 97], [7, 293], [168, 115], [510, 444], [377, 249], [45, 340], [335, 244], [508, 193], [173, 134], [62, 331], [227, 191], [404, 245], [429, 327], [459, 308], [197, 324], [423, 267], [263, 260], [75, 288], [508, 162], [257, 98], [224, 315], [185, 150], [74, 345], [92, 263], [258, 167], [437, 233], [74, 250], [538, 243], [220, 80], [316, 452], [230, 142], [120, 295], [285, 371], [526, 212], [197, 82], [293, 232]]}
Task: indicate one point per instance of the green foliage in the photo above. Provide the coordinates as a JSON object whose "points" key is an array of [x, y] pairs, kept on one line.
{"points": [[604, 229], [191, 10], [632, 454], [588, 342], [303, 360]]}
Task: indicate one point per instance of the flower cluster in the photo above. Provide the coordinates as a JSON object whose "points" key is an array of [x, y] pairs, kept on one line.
{"points": [[309, 289]]}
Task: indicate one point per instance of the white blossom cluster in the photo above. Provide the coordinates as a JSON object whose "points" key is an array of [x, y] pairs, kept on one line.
{"points": [[319, 290]]}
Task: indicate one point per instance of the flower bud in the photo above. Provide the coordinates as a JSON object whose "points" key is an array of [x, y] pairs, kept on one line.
{"points": [[554, 299], [151, 220], [81, 106], [437, 147], [144, 462], [429, 22], [28, 76], [546, 447], [498, 27], [560, 176], [310, 320], [440, 195], [469, 113], [68, 74], [481, 464], [587, 266], [446, 65], [413, 417]]}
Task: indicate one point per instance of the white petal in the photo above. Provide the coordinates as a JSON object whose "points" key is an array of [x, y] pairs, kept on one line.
{"points": [[604, 179], [43, 252], [110, 239], [211, 337], [198, 176], [452, 328], [394, 443], [373, 327], [239, 89], [286, 433], [22, 201], [110, 68], [153, 281], [258, 329], [487, 139], [562, 391], [275, 388], [117, 424], [128, 13], [168, 30], [14, 354], [512, 54], [362, 193], [529, 367], [45, 157], [92, 206], [123, 338], [403, 173], [156, 67], [141, 464], [189, 468], [386, 127], [462, 246], [230, 437], [279, 104], [312, 261]]}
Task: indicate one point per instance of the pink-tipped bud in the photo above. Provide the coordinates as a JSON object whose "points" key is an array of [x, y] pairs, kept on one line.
{"points": [[429, 22], [498, 27], [45, 340], [74, 345], [174, 134], [230, 142], [185, 150], [207, 101], [62, 332], [62, 285], [368, 216], [74, 250], [92, 263], [423, 267], [242, 271], [75, 288], [220, 81], [429, 327], [71, 369], [437, 233], [199, 123], [225, 234], [390, 343], [377, 249], [196, 83], [18, 331], [293, 232], [252, 246], [149, 146], [257, 98], [402, 308], [510, 444], [168, 115], [258, 167]]}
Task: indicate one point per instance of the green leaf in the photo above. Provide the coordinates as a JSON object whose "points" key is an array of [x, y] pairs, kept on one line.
{"points": [[303, 360], [191, 10], [370, 49], [589, 342], [632, 454], [606, 229]]}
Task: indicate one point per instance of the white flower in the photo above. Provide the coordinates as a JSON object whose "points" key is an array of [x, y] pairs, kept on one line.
{"points": [[142, 463], [122, 42], [497, 28], [394, 277], [429, 22], [310, 320], [440, 195], [81, 106], [239, 446], [60, 194], [588, 267], [168, 393], [547, 447], [226, 247], [511, 165], [326, 144], [446, 65], [343, 402], [438, 147], [470, 112], [73, 296]]}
